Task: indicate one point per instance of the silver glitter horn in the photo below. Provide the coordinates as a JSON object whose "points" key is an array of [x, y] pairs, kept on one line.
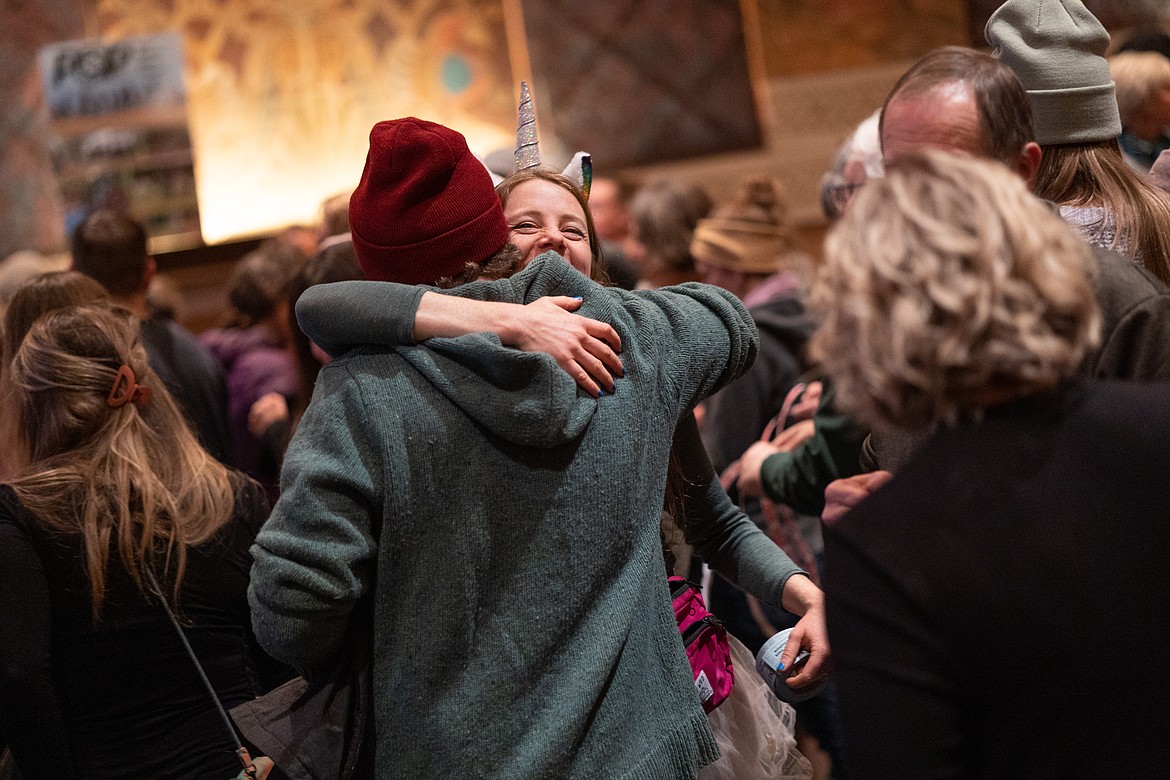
{"points": [[527, 153]]}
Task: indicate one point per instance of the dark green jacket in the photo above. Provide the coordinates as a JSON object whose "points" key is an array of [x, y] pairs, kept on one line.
{"points": [[799, 478]]}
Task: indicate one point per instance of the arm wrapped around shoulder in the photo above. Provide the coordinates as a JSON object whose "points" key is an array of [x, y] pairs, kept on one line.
{"points": [[342, 315], [707, 338]]}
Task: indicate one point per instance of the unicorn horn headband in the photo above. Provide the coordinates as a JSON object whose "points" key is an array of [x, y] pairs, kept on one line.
{"points": [[579, 169], [527, 151]]}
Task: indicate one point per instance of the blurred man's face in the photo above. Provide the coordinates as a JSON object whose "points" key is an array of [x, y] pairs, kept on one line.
{"points": [[944, 118], [610, 219], [735, 282]]}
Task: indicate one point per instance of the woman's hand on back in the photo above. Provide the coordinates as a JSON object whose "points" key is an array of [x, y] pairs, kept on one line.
{"points": [[586, 349]]}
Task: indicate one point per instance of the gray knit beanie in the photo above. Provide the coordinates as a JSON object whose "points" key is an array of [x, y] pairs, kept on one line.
{"points": [[1057, 48]]}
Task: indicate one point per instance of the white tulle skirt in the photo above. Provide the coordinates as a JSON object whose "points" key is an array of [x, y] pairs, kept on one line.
{"points": [[754, 729]]}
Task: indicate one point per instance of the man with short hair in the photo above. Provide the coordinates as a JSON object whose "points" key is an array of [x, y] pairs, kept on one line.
{"points": [[110, 247], [611, 219], [962, 100]]}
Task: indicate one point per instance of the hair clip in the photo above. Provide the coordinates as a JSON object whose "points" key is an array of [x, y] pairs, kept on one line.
{"points": [[126, 390]]}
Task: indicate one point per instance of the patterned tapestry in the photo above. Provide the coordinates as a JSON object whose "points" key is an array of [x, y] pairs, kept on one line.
{"points": [[282, 93], [641, 81], [813, 36]]}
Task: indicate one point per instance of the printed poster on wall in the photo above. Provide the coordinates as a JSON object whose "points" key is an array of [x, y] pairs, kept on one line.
{"points": [[119, 111]]}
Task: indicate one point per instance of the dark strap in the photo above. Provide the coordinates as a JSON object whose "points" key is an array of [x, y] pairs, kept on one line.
{"points": [[241, 751], [779, 520]]}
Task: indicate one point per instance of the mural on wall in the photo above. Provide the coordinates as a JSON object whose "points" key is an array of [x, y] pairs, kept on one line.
{"points": [[811, 36], [636, 82], [119, 120], [282, 96]]}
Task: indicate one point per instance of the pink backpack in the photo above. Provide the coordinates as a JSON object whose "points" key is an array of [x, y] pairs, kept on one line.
{"points": [[705, 640]]}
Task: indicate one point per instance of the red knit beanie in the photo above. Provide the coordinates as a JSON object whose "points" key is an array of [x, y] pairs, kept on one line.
{"points": [[425, 206]]}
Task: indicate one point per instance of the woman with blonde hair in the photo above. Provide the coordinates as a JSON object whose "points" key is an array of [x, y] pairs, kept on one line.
{"points": [[1013, 569], [113, 493], [39, 295]]}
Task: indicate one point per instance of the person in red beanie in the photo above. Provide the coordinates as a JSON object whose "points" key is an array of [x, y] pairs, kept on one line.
{"points": [[421, 212], [425, 212], [517, 639]]}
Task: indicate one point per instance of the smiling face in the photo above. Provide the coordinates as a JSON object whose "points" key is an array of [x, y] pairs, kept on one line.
{"points": [[543, 216]]}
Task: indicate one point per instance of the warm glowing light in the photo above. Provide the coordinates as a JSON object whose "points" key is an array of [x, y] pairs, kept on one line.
{"points": [[281, 96], [247, 190]]}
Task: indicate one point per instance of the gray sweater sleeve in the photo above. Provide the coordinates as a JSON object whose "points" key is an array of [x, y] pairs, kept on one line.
{"points": [[314, 557], [713, 340], [720, 532], [342, 315]]}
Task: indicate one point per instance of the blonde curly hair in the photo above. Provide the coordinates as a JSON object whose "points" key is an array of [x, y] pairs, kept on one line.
{"points": [[948, 288]]}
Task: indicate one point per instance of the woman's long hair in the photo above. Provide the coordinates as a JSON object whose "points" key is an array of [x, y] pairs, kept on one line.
{"points": [[1096, 174], [130, 478], [41, 294]]}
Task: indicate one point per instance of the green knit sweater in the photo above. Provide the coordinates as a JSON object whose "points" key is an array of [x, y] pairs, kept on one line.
{"points": [[506, 525]]}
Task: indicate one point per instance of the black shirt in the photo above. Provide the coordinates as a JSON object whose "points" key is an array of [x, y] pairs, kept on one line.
{"points": [[999, 609], [196, 380], [121, 699]]}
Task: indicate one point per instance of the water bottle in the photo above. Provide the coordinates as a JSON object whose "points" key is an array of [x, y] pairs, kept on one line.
{"points": [[769, 658]]}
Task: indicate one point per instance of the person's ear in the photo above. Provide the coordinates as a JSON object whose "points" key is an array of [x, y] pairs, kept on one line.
{"points": [[1028, 162]]}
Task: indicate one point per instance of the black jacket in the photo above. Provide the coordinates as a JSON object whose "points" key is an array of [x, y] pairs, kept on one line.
{"points": [[736, 415]]}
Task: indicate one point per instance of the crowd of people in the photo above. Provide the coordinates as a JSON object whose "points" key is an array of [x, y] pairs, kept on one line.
{"points": [[460, 435]]}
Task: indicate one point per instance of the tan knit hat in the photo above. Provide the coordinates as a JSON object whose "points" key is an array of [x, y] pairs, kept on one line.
{"points": [[1057, 48], [749, 234]]}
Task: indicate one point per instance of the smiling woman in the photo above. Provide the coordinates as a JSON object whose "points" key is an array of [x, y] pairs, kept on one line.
{"points": [[546, 211]]}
